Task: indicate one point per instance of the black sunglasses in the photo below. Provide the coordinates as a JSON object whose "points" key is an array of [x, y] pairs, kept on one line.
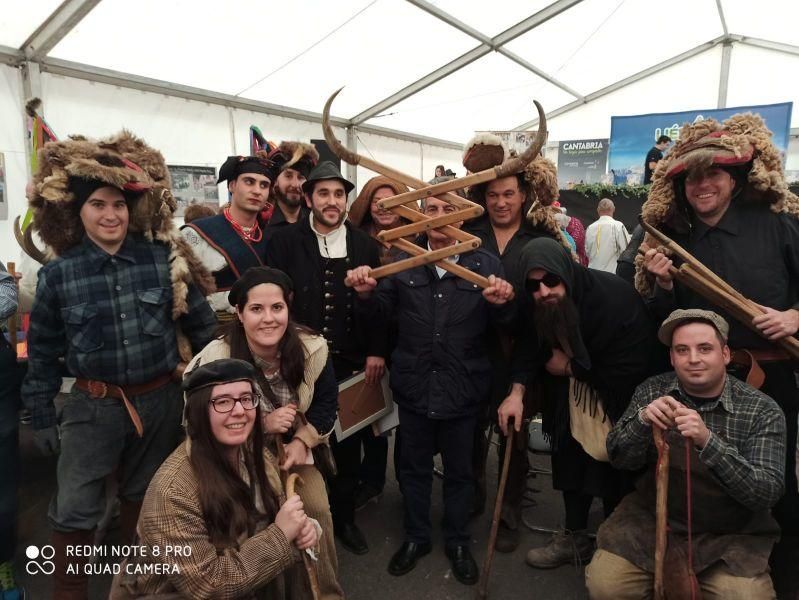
{"points": [[550, 280]]}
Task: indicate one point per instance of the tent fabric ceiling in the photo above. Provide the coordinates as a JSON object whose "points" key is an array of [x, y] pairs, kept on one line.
{"points": [[295, 54]]}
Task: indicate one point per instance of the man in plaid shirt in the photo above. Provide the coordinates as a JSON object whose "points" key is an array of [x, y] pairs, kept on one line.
{"points": [[106, 305], [734, 437]]}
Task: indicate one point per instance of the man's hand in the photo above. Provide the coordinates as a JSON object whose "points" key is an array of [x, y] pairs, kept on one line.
{"points": [[361, 281], [661, 412], [777, 324], [658, 264], [691, 425], [498, 291], [512, 407], [281, 419], [47, 440], [374, 369], [559, 365], [296, 453]]}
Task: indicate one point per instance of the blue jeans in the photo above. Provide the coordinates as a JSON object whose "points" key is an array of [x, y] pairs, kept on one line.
{"points": [[97, 438]]}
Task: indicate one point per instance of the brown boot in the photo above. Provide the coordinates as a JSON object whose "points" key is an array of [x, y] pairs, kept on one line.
{"points": [[73, 585], [128, 519]]}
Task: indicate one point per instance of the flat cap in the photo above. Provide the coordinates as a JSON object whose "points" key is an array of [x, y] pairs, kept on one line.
{"points": [[681, 315], [217, 372]]}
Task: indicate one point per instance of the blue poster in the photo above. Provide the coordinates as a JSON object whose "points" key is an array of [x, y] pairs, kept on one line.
{"points": [[632, 137]]}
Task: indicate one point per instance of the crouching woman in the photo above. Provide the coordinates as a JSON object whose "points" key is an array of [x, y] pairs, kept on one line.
{"points": [[211, 525]]}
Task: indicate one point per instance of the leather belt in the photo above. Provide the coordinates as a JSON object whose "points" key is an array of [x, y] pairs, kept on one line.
{"points": [[100, 389], [750, 358]]}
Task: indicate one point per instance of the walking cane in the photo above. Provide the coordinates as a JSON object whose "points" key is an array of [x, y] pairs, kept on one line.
{"points": [[482, 588], [661, 515], [288, 484], [310, 568]]}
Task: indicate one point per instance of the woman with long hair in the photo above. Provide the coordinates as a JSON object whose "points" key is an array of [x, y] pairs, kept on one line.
{"points": [[217, 500], [298, 388]]}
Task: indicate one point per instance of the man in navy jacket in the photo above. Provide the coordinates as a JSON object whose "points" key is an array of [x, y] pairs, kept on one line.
{"points": [[440, 375]]}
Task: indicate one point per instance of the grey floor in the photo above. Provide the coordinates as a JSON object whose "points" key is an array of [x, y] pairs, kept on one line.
{"points": [[362, 577]]}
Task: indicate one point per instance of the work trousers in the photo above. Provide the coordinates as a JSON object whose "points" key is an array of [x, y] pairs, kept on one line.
{"points": [[97, 438], [421, 438], [611, 577]]}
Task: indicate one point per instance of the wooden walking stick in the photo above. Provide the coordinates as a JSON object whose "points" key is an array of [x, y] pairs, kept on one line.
{"points": [[482, 587], [310, 567], [661, 509]]}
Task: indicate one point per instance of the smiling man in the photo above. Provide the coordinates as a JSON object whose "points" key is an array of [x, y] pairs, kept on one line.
{"points": [[316, 253], [294, 161], [735, 437], [230, 243], [721, 195], [106, 306]]}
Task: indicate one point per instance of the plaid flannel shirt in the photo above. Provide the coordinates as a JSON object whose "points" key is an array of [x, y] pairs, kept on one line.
{"points": [[110, 317], [746, 448], [8, 294]]}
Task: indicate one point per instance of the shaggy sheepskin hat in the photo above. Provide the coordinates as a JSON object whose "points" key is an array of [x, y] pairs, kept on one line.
{"points": [[127, 163], [742, 143]]}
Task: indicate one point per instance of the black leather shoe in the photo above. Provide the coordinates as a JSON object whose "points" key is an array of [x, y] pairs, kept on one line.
{"points": [[351, 538], [404, 560], [463, 566]]}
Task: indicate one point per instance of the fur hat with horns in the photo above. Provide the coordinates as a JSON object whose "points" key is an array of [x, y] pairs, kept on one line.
{"points": [[487, 150], [295, 155], [741, 144], [125, 162]]}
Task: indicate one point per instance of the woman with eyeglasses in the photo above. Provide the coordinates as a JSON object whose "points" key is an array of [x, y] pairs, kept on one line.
{"points": [[212, 524], [299, 393]]}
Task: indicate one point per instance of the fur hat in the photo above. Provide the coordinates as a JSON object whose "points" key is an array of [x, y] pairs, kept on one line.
{"points": [[295, 155], [359, 213], [125, 162], [741, 142]]}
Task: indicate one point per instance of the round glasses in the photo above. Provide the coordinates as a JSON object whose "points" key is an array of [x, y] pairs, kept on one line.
{"points": [[225, 404]]}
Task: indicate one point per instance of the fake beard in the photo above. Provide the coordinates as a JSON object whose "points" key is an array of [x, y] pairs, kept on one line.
{"points": [[556, 322]]}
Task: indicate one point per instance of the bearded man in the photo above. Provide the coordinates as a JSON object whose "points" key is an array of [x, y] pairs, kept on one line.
{"points": [[316, 253], [293, 161], [591, 342]]}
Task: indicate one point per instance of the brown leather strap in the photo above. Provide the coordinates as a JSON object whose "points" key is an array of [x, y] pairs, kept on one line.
{"points": [[100, 389], [748, 358]]}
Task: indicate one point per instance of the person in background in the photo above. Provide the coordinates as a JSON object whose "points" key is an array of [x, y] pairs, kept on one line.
{"points": [[606, 238], [197, 211], [9, 440], [440, 171], [654, 155], [574, 227]]}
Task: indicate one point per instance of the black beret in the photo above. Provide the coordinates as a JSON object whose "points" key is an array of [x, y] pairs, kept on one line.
{"points": [[256, 276], [217, 372]]}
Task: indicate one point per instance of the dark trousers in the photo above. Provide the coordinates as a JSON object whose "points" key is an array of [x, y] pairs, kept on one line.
{"points": [[453, 438], [347, 453], [516, 484], [9, 449], [375, 459]]}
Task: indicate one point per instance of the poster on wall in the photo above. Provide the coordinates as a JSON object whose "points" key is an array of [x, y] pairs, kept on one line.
{"points": [[3, 194], [581, 161], [194, 185], [631, 137], [517, 141]]}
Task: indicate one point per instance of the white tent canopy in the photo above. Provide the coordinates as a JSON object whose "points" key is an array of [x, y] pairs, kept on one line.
{"points": [[441, 69], [420, 76]]}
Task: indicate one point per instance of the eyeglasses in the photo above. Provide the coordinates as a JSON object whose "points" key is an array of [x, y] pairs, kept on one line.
{"points": [[550, 280], [225, 404]]}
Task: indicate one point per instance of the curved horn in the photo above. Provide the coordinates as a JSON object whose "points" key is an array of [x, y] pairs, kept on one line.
{"points": [[337, 147], [25, 241], [515, 165]]}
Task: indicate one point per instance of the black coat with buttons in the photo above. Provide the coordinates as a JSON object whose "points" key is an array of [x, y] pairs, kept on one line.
{"points": [[294, 250], [440, 366]]}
